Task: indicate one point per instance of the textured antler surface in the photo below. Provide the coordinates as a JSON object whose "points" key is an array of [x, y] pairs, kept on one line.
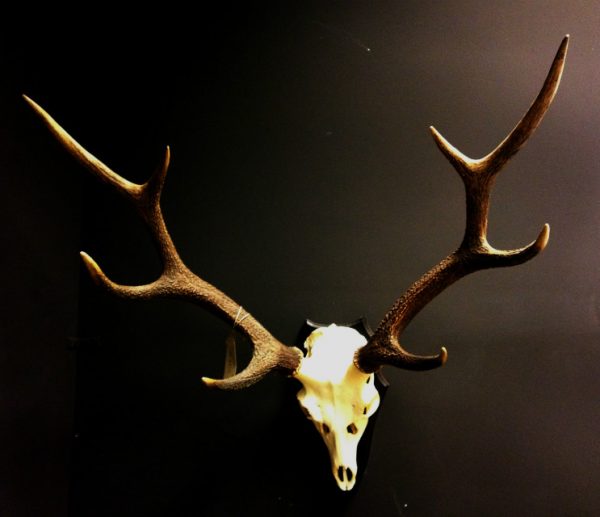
{"points": [[176, 280], [474, 253]]}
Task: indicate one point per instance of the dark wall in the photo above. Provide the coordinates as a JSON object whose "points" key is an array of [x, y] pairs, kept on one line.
{"points": [[40, 214], [304, 183]]}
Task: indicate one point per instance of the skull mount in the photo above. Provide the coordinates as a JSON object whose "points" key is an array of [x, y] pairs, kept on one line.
{"points": [[337, 397], [347, 381]]}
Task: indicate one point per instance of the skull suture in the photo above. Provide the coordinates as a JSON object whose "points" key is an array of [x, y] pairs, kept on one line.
{"points": [[336, 396]]}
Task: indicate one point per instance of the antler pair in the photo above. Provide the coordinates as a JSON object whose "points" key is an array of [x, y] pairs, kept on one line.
{"points": [[474, 253]]}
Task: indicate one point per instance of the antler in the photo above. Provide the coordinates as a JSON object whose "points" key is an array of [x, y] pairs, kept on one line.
{"points": [[176, 280], [475, 252]]}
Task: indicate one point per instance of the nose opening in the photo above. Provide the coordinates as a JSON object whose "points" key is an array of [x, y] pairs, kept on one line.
{"points": [[345, 476]]}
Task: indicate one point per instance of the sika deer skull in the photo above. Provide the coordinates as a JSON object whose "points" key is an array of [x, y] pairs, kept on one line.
{"points": [[336, 373]]}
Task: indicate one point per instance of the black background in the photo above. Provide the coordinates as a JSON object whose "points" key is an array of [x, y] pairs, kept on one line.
{"points": [[304, 183]]}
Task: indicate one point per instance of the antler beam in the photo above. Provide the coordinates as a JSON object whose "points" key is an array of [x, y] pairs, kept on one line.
{"points": [[176, 280], [474, 253]]}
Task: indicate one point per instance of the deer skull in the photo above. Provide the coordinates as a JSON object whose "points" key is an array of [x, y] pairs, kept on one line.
{"points": [[336, 396]]}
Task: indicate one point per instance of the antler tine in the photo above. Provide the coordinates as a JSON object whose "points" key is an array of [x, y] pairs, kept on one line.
{"points": [[485, 169], [494, 161], [145, 197], [176, 280], [474, 253], [95, 166]]}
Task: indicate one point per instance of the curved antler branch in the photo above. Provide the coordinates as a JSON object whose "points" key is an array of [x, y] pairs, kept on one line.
{"points": [[474, 253], [176, 280]]}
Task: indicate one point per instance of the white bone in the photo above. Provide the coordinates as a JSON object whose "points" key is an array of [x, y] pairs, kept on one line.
{"points": [[337, 396]]}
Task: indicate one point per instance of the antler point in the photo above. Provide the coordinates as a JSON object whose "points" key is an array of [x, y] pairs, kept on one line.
{"points": [[543, 237], [167, 159], [443, 356], [564, 45], [208, 382], [86, 258], [33, 104], [93, 268]]}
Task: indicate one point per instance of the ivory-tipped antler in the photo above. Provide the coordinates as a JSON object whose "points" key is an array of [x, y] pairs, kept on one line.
{"points": [[475, 252], [176, 280]]}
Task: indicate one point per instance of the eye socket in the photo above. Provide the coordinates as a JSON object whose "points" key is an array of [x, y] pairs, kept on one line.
{"points": [[352, 429], [326, 429]]}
